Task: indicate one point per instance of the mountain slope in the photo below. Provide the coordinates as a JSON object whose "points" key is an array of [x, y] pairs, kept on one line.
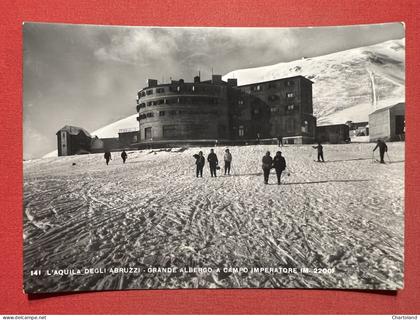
{"points": [[343, 80], [342, 88]]}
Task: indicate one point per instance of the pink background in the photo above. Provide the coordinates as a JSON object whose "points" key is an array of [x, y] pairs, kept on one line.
{"points": [[196, 13]]}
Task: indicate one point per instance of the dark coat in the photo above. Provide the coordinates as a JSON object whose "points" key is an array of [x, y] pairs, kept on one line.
{"points": [[382, 146], [212, 158], [124, 155], [267, 162], [319, 147], [107, 155], [279, 163], [199, 160]]}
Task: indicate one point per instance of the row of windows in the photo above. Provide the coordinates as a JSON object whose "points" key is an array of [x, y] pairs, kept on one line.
{"points": [[290, 107], [176, 112], [272, 97], [182, 100], [271, 85], [181, 88]]}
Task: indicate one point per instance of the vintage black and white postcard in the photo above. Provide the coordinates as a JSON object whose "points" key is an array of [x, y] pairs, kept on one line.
{"points": [[168, 158]]}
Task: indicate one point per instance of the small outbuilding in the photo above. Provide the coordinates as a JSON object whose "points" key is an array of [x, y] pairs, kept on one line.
{"points": [[73, 140], [388, 123], [336, 133]]}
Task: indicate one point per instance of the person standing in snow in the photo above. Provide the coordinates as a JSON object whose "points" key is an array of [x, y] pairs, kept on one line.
{"points": [[382, 149], [107, 157], [124, 156], [267, 164], [213, 162], [280, 141], [320, 152], [279, 163], [199, 163], [228, 160]]}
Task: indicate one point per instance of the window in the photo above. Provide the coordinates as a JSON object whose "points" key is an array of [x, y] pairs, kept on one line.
{"points": [[193, 88], [149, 92], [160, 90], [259, 87], [290, 83], [172, 112], [149, 115], [256, 111], [148, 133], [305, 127], [241, 131], [149, 103], [272, 85], [290, 107], [273, 97], [274, 109], [161, 113], [241, 102], [290, 95], [178, 88]]}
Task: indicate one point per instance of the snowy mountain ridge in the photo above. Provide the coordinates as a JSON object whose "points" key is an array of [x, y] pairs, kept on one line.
{"points": [[346, 83]]}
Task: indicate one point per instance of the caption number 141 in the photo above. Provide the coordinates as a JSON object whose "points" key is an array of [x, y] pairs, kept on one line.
{"points": [[35, 272]]}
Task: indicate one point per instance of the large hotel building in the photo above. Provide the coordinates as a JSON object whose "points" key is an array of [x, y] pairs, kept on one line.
{"points": [[222, 110]]}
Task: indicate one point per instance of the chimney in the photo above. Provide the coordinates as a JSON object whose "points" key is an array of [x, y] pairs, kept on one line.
{"points": [[197, 79], [152, 83], [232, 82], [216, 78]]}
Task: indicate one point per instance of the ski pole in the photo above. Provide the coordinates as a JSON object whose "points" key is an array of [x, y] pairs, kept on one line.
{"points": [[388, 157]]}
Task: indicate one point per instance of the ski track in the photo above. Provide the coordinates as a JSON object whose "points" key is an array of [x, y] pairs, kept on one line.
{"points": [[152, 211]]}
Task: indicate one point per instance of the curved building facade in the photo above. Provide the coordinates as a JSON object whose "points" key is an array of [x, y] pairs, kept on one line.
{"points": [[217, 109], [180, 110]]}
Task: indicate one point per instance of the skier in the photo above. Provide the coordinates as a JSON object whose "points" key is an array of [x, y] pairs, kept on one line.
{"points": [[279, 163], [228, 160], [320, 152], [124, 156], [280, 141], [107, 157], [267, 164], [199, 162], [213, 162], [382, 149]]}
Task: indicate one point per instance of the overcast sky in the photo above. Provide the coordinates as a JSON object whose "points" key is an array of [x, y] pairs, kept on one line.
{"points": [[89, 76]]}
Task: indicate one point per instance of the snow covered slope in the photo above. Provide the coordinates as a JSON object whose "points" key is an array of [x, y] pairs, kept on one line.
{"points": [[111, 130], [343, 80]]}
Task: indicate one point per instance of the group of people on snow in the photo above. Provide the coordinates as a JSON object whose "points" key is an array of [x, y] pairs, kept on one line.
{"points": [[278, 162], [268, 163], [213, 163], [108, 157]]}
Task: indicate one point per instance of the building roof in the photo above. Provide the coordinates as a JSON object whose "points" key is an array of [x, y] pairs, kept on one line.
{"points": [[401, 104], [74, 131], [274, 80]]}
